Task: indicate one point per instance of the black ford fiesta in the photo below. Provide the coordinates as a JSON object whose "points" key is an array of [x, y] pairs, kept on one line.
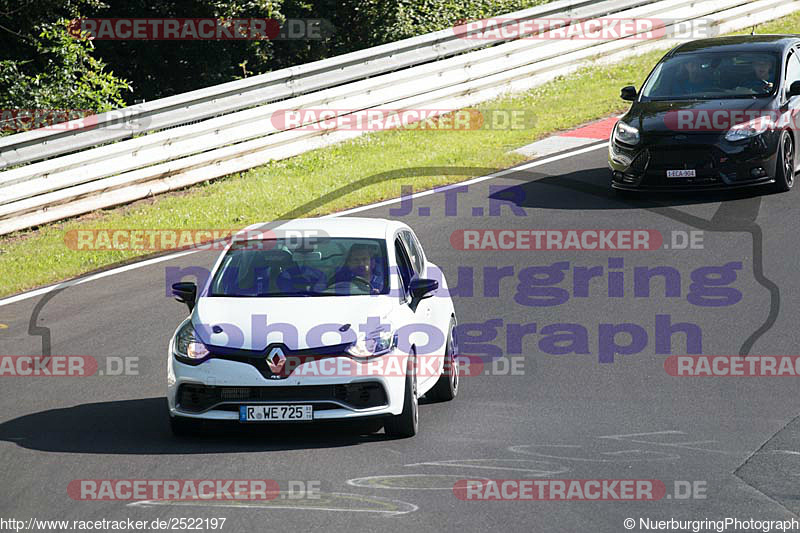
{"points": [[713, 114]]}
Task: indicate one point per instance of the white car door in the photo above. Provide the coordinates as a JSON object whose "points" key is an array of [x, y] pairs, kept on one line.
{"points": [[427, 315]]}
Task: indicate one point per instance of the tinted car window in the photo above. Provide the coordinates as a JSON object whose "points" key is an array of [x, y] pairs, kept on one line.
{"points": [[792, 71], [403, 264], [280, 267], [414, 252], [713, 75]]}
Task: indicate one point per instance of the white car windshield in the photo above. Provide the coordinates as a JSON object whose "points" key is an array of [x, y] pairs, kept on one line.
{"points": [[283, 268]]}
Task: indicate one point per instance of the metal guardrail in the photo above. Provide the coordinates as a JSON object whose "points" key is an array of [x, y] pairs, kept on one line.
{"points": [[228, 128], [220, 99]]}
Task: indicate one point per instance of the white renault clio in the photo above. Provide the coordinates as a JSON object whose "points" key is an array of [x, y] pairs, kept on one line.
{"points": [[314, 319]]}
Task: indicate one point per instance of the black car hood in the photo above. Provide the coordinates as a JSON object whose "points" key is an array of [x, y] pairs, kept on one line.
{"points": [[661, 117]]}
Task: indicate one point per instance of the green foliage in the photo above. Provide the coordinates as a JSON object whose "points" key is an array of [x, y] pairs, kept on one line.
{"points": [[162, 68], [43, 67], [69, 77], [415, 17]]}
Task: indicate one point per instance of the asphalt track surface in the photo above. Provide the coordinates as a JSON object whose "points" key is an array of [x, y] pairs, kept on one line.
{"points": [[561, 417]]}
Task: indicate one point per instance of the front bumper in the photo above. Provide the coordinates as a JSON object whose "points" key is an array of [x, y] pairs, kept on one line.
{"points": [[719, 164], [215, 389]]}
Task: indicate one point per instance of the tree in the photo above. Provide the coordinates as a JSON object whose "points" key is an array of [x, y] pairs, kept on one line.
{"points": [[44, 67]]}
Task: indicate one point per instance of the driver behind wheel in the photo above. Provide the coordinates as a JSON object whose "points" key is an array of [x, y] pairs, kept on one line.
{"points": [[760, 77], [361, 267]]}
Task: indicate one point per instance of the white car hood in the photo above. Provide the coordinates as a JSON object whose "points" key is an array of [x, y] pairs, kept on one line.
{"points": [[248, 320]]}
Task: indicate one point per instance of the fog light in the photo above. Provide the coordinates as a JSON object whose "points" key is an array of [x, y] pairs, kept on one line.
{"points": [[618, 175], [758, 172]]}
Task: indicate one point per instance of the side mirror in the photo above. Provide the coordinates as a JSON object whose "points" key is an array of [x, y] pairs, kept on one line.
{"points": [[420, 289], [794, 89], [628, 93], [185, 292]]}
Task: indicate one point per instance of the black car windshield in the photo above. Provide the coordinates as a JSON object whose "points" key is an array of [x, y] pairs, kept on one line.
{"points": [[319, 267], [713, 75]]}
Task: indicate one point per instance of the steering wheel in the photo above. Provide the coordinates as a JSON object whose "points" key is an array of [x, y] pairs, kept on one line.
{"points": [[363, 281], [345, 285]]}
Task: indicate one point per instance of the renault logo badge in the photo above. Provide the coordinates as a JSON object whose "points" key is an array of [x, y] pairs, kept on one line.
{"points": [[276, 360]]}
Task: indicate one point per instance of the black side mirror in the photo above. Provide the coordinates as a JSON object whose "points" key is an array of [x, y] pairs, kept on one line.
{"points": [[794, 89], [185, 292], [628, 93], [420, 289]]}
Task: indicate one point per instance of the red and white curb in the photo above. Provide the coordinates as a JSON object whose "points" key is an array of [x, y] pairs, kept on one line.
{"points": [[569, 140]]}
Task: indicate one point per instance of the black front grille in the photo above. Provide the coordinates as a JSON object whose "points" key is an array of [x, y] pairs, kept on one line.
{"points": [[294, 358], [681, 157], [361, 395], [639, 164]]}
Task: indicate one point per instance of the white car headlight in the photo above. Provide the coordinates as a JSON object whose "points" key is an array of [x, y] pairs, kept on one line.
{"points": [[748, 130], [187, 345], [626, 134], [378, 342]]}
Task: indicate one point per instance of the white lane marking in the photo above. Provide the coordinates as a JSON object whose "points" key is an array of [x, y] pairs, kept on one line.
{"points": [[621, 456], [521, 465], [148, 262], [689, 445], [99, 275], [401, 507], [384, 482], [786, 452]]}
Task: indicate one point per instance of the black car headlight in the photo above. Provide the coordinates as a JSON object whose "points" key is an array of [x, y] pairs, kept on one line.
{"points": [[376, 343], [188, 347], [626, 134], [748, 130]]}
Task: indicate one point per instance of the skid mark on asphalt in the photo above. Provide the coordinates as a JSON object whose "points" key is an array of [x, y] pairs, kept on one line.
{"points": [[327, 501]]}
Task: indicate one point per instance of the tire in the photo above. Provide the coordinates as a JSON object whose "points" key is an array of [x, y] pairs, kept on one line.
{"points": [[446, 387], [406, 423], [182, 427], [784, 166]]}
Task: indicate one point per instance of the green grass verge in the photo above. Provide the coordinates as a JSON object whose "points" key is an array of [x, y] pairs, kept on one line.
{"points": [[35, 258]]}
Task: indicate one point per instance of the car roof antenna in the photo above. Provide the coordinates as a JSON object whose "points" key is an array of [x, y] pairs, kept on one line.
{"points": [[753, 31]]}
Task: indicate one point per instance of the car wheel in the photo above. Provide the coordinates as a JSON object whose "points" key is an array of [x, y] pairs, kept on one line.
{"points": [[181, 426], [446, 387], [784, 167], [406, 423]]}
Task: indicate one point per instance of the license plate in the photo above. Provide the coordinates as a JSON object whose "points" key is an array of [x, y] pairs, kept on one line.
{"points": [[681, 173], [275, 413]]}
